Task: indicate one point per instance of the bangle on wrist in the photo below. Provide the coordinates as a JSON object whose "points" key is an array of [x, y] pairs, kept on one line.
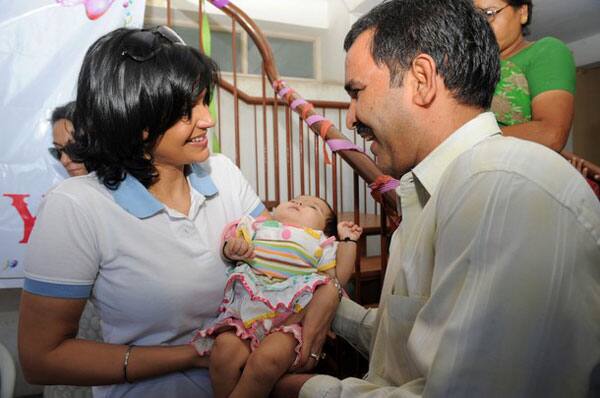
{"points": [[126, 362], [349, 239], [336, 283]]}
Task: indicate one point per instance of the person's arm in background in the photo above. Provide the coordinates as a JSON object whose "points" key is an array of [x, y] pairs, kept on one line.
{"points": [[551, 81], [552, 115]]}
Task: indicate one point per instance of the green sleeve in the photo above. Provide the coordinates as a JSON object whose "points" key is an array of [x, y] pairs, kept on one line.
{"points": [[551, 67]]}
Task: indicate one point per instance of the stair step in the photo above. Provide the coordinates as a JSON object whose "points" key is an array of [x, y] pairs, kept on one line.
{"points": [[370, 267], [368, 221]]}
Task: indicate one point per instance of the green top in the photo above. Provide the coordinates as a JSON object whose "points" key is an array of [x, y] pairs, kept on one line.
{"points": [[546, 64]]}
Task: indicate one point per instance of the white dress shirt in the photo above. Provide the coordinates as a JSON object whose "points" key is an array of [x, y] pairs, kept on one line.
{"points": [[492, 286]]}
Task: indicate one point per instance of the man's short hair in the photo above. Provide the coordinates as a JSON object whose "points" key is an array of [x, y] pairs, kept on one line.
{"points": [[452, 32]]}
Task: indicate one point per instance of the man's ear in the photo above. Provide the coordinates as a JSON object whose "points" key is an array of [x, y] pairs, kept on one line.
{"points": [[145, 135], [423, 71]]}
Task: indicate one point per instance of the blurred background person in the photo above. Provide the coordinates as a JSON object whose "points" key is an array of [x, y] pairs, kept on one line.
{"points": [[534, 99], [62, 134]]}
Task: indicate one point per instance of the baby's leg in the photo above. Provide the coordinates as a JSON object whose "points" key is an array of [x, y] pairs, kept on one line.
{"points": [[227, 359], [273, 357]]}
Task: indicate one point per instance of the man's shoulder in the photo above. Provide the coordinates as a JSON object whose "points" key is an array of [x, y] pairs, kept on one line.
{"points": [[532, 163]]}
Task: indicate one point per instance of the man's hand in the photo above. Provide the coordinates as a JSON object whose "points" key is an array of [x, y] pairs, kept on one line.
{"points": [[348, 229], [235, 249]]}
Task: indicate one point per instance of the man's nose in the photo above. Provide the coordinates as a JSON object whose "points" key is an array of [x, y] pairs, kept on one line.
{"points": [[351, 116]]}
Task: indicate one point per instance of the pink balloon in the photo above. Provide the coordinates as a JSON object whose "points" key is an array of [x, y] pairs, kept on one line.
{"points": [[93, 8]]}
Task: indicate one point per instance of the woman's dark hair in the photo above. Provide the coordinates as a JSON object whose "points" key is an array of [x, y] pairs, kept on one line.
{"points": [[119, 99], [457, 37], [331, 222], [63, 112], [520, 3]]}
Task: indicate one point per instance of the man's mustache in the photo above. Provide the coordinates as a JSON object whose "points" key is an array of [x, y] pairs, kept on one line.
{"points": [[363, 130]]}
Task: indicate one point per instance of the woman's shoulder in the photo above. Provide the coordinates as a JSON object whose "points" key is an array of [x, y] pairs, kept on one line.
{"points": [[79, 189], [549, 44]]}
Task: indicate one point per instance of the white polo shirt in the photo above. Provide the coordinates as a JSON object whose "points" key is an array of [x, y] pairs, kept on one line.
{"points": [[153, 273]]}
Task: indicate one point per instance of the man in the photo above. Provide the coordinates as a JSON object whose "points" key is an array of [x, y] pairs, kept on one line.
{"points": [[492, 287]]}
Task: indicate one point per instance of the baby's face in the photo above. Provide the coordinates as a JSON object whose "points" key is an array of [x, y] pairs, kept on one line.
{"points": [[303, 211]]}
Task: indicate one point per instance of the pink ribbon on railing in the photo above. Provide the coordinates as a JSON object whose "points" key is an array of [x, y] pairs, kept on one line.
{"points": [[297, 102], [340, 144], [333, 144], [220, 3], [381, 185], [314, 119], [281, 93]]}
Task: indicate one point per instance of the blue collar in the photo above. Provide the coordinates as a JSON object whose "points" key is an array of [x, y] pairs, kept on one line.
{"points": [[134, 198]]}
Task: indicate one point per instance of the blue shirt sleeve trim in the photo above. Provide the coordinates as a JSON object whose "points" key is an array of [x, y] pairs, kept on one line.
{"points": [[257, 210], [57, 289]]}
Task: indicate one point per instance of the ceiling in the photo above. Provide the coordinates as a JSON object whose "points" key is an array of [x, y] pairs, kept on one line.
{"points": [[569, 20]]}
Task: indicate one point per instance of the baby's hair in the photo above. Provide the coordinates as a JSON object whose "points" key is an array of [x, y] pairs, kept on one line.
{"points": [[331, 222]]}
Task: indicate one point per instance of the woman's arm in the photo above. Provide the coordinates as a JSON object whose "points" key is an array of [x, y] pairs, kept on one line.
{"points": [[50, 353], [552, 115]]}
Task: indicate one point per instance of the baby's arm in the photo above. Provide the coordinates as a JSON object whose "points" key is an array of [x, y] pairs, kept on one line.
{"points": [[237, 249], [348, 233]]}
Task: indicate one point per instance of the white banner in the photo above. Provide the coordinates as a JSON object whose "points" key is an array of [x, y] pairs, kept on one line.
{"points": [[42, 44]]}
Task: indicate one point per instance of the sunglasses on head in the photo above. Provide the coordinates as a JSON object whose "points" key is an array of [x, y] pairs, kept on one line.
{"points": [[145, 44], [56, 153]]}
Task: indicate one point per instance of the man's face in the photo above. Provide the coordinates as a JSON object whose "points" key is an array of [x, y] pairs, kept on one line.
{"points": [[380, 113]]}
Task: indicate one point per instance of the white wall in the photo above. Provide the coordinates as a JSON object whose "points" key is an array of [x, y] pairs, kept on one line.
{"points": [[586, 51]]}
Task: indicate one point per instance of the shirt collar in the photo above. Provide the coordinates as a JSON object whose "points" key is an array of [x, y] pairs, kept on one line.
{"points": [[430, 170], [134, 198]]}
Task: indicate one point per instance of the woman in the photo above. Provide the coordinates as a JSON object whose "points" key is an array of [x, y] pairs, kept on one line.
{"points": [[62, 134], [534, 98], [140, 233]]}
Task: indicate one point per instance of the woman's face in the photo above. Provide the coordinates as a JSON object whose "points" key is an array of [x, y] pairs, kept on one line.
{"points": [[186, 141], [507, 23], [62, 132]]}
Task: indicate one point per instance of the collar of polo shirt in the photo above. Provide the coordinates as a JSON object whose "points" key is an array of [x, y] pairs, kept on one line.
{"points": [[133, 197]]}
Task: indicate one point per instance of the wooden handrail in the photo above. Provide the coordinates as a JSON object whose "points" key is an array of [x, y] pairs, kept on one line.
{"points": [[252, 100], [360, 162]]}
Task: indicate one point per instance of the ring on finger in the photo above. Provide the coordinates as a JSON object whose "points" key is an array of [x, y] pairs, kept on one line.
{"points": [[315, 356]]}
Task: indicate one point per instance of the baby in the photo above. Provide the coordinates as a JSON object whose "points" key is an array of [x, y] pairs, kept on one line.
{"points": [[279, 263]]}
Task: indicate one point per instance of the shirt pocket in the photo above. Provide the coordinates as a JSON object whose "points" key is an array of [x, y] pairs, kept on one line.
{"points": [[397, 322]]}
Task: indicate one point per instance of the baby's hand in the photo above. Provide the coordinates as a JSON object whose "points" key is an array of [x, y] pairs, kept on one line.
{"points": [[238, 249], [348, 229]]}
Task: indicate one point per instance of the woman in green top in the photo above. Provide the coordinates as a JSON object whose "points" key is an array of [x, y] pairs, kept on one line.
{"points": [[534, 98]]}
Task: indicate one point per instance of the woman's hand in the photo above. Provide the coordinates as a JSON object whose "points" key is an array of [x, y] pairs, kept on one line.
{"points": [[316, 323]]}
